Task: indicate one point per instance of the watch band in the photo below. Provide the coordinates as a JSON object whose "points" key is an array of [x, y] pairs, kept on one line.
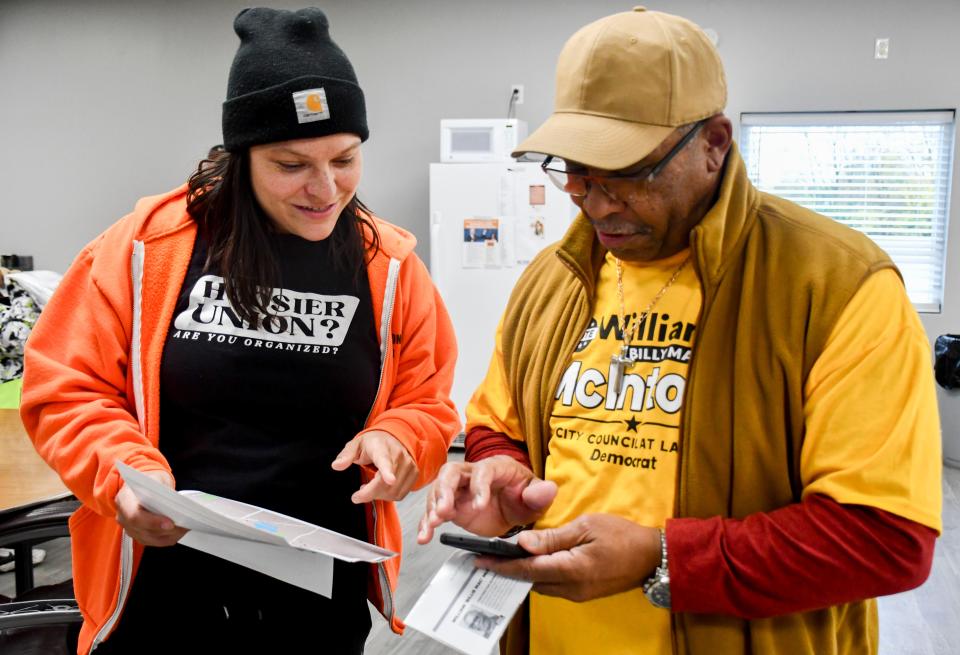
{"points": [[663, 551], [657, 586]]}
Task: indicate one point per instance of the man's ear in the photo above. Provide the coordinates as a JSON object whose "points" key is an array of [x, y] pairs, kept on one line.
{"points": [[717, 132]]}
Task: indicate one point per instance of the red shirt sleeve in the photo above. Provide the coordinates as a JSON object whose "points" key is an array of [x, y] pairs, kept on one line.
{"points": [[482, 443], [800, 557]]}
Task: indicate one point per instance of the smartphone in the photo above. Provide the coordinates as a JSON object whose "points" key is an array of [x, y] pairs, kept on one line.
{"points": [[483, 546]]}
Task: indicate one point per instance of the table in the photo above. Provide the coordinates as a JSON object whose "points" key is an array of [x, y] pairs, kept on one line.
{"points": [[25, 479], [25, 482]]}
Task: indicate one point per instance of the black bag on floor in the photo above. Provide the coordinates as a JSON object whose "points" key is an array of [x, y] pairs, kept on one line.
{"points": [[947, 360]]}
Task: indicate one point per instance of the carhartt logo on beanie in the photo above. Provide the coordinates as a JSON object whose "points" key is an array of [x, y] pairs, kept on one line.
{"points": [[289, 80]]}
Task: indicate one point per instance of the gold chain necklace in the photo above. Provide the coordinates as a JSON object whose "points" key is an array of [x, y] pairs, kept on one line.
{"points": [[619, 363]]}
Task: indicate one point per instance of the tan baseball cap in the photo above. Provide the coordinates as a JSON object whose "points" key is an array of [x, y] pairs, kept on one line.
{"points": [[624, 83]]}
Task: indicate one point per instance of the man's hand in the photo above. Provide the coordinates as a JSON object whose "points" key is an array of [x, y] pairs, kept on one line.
{"points": [[487, 497], [396, 470], [594, 555], [143, 525]]}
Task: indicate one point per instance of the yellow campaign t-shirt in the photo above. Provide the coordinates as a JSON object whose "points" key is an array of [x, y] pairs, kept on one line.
{"points": [[617, 453], [871, 417], [872, 431]]}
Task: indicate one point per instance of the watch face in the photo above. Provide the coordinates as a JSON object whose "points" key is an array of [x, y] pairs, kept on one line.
{"points": [[659, 594]]}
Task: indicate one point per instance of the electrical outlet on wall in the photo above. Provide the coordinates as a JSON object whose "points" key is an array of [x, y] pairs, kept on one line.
{"points": [[882, 48], [516, 91]]}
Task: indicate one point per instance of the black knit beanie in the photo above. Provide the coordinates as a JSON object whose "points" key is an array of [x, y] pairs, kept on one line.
{"points": [[289, 80]]}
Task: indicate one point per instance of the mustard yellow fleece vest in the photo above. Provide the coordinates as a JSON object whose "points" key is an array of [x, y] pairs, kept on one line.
{"points": [[775, 279]]}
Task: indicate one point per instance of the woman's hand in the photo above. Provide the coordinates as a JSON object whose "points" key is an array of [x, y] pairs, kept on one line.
{"points": [[396, 470], [143, 525], [487, 497]]}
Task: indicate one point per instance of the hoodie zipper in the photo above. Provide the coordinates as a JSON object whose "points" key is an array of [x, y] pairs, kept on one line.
{"points": [[126, 542], [386, 318]]}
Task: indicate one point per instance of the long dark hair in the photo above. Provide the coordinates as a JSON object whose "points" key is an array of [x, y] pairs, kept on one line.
{"points": [[237, 232]]}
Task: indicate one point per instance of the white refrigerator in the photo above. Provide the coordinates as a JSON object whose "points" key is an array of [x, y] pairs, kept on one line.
{"points": [[487, 221]]}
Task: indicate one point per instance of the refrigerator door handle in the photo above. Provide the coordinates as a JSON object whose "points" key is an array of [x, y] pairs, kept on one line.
{"points": [[435, 250]]}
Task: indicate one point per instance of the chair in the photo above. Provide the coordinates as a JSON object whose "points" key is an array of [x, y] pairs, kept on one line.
{"points": [[21, 529], [44, 621], [41, 620]]}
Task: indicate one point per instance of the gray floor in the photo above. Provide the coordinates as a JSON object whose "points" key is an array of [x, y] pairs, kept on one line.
{"points": [[925, 621]]}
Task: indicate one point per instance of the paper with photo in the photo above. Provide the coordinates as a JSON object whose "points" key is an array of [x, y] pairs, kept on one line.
{"points": [[530, 233], [277, 545], [482, 238], [467, 608]]}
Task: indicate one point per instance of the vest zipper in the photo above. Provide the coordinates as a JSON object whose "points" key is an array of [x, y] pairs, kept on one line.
{"points": [[694, 241], [567, 352]]}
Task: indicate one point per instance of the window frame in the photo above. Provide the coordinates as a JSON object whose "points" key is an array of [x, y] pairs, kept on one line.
{"points": [[942, 180]]}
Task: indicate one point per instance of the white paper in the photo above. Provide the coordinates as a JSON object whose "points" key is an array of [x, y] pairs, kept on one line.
{"points": [[481, 242], [467, 608], [507, 253], [274, 544], [508, 192], [530, 235], [301, 568]]}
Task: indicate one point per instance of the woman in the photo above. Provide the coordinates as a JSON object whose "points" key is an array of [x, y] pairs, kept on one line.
{"points": [[257, 334]]}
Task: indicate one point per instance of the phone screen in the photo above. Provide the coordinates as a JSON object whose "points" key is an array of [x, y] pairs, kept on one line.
{"points": [[484, 546]]}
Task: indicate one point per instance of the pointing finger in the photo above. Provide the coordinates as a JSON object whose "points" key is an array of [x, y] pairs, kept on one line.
{"points": [[346, 456], [480, 482]]}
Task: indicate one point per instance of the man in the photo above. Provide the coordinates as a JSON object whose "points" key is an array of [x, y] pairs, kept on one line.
{"points": [[715, 407]]}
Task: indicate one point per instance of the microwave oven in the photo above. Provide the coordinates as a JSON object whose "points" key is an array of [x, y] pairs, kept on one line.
{"points": [[465, 140]]}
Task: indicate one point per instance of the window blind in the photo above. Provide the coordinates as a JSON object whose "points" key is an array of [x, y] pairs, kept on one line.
{"points": [[886, 174]]}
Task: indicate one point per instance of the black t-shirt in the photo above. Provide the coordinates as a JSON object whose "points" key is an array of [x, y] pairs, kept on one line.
{"points": [[257, 413]]}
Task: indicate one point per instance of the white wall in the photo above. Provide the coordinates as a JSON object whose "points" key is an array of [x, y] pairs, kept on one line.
{"points": [[103, 101]]}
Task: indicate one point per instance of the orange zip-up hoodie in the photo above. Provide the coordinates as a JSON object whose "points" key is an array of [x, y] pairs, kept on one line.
{"points": [[91, 387]]}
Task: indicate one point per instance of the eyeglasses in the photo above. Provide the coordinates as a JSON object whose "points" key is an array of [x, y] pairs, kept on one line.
{"points": [[572, 178]]}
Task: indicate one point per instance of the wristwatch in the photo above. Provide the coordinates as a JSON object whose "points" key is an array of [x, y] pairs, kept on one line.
{"points": [[657, 586]]}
